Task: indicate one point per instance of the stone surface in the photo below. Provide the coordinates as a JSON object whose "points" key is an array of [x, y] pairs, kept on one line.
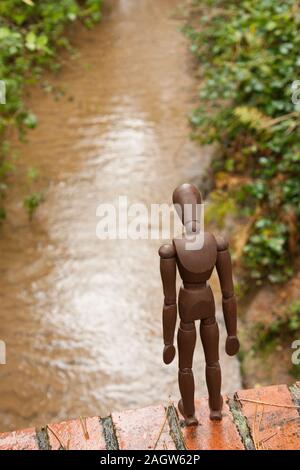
{"points": [[214, 435], [19, 440], [270, 413], [77, 434], [272, 427], [143, 429]]}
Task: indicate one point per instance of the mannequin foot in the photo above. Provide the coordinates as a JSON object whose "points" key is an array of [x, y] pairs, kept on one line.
{"points": [[216, 415], [189, 420]]}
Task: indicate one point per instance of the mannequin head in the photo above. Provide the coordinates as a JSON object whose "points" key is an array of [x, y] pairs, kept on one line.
{"points": [[187, 201]]}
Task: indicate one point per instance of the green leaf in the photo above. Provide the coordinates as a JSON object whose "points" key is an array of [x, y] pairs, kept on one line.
{"points": [[30, 120], [30, 41]]}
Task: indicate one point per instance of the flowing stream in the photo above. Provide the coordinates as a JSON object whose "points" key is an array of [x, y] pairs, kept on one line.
{"points": [[81, 317]]}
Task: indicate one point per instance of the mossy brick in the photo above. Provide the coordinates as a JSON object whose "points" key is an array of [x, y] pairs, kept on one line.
{"points": [[261, 418], [19, 440], [272, 427], [143, 429], [77, 434], [212, 435]]}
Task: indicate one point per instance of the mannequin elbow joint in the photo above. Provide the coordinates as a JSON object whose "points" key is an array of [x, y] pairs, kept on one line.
{"points": [[167, 251], [168, 301], [227, 296]]}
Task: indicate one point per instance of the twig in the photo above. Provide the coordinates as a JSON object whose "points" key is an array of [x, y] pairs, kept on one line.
{"points": [[259, 446], [260, 442], [56, 437], [291, 419], [254, 429], [263, 441], [261, 417], [279, 405], [269, 437], [283, 118], [84, 428], [161, 429]]}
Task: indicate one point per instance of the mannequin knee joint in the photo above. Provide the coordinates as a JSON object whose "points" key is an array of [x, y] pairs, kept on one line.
{"points": [[213, 365], [208, 321], [186, 370]]}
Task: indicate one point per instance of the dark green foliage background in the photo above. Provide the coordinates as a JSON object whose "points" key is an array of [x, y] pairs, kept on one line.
{"points": [[249, 55], [31, 32]]}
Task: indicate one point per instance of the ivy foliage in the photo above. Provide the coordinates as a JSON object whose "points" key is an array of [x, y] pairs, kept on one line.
{"points": [[31, 32], [280, 332], [249, 57]]}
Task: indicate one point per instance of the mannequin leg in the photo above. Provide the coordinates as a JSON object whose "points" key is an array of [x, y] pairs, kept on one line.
{"points": [[209, 332], [186, 345]]}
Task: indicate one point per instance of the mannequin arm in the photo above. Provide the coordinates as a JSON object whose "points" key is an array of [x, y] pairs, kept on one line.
{"points": [[224, 269], [168, 275]]}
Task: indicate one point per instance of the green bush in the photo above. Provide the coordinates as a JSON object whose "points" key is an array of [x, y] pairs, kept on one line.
{"points": [[31, 31], [249, 56], [283, 328]]}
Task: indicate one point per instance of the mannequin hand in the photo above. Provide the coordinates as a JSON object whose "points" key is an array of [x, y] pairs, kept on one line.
{"points": [[232, 345], [169, 353]]}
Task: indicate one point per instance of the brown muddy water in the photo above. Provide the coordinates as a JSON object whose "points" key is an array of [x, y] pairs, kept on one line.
{"points": [[81, 317]]}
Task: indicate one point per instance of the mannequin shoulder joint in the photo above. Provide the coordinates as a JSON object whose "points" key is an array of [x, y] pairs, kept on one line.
{"points": [[222, 244]]}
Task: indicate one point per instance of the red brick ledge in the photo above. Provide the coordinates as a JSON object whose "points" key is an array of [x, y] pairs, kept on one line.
{"points": [[260, 419]]}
